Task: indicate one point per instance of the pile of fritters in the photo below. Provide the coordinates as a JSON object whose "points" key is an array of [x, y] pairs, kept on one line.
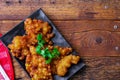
{"points": [[24, 48]]}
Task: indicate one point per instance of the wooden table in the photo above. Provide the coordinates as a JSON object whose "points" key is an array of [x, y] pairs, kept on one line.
{"points": [[92, 27]]}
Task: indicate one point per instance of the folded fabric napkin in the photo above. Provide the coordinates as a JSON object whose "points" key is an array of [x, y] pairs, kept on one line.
{"points": [[6, 68]]}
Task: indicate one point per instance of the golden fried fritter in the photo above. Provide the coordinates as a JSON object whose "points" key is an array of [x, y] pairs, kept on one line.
{"points": [[24, 47], [65, 63], [32, 39], [18, 47], [34, 27], [32, 50], [37, 68], [64, 51]]}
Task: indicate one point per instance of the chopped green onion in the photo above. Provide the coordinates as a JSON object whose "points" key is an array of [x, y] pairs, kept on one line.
{"points": [[42, 41], [45, 52], [48, 61], [38, 49], [39, 37], [40, 44]]}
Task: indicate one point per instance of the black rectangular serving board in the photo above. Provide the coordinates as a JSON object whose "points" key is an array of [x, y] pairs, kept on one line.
{"points": [[58, 40]]}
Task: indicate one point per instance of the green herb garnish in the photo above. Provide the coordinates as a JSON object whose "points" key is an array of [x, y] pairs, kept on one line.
{"points": [[45, 52]]}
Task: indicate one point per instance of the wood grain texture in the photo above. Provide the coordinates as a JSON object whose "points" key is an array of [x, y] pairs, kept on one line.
{"points": [[12, 9], [99, 68], [92, 27], [72, 9], [7, 26], [69, 27], [97, 43]]}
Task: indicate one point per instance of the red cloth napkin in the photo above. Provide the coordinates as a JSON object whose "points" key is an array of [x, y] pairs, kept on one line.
{"points": [[5, 61]]}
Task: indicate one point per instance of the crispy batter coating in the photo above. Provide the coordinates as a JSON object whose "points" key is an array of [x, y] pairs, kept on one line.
{"points": [[37, 68], [63, 52], [24, 47], [32, 50], [34, 27], [61, 64], [32, 39], [19, 47], [65, 63]]}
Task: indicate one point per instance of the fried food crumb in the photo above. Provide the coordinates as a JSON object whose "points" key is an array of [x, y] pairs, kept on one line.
{"points": [[65, 63], [37, 68], [24, 48], [19, 47]]}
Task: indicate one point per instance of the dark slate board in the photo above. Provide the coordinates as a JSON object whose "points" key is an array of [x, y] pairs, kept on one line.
{"points": [[58, 40]]}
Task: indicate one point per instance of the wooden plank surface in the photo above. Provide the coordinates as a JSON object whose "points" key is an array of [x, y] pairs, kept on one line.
{"points": [[72, 9], [92, 27], [99, 68]]}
